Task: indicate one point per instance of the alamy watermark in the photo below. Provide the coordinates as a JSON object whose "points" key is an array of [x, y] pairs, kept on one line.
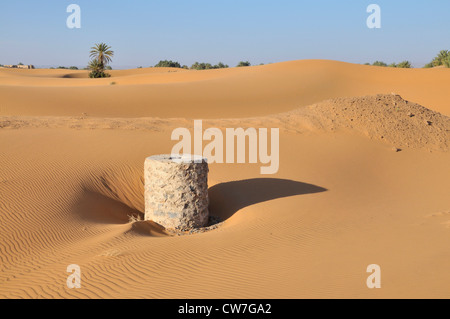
{"points": [[374, 19], [374, 280], [235, 140], [74, 279], [74, 20]]}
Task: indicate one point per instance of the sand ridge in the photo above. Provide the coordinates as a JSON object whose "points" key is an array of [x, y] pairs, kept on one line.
{"points": [[386, 117], [223, 93]]}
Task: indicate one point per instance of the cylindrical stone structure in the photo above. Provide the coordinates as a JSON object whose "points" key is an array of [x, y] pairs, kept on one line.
{"points": [[176, 191]]}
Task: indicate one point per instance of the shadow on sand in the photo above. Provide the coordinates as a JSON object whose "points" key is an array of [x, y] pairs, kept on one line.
{"points": [[225, 199]]}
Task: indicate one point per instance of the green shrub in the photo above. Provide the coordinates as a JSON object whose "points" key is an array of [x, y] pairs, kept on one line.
{"points": [[404, 65], [220, 65], [441, 58], [208, 66], [98, 74], [167, 64], [379, 63], [73, 68], [242, 63], [97, 70], [446, 62], [201, 66]]}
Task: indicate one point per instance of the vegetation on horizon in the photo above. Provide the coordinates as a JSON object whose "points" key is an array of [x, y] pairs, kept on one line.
{"points": [[195, 66], [67, 68], [101, 54], [208, 66], [443, 58], [167, 64], [242, 63], [404, 64]]}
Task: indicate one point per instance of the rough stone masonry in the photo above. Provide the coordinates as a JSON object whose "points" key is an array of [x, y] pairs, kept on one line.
{"points": [[176, 191]]}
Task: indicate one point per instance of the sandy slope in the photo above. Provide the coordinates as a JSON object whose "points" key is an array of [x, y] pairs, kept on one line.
{"points": [[235, 92], [342, 199]]}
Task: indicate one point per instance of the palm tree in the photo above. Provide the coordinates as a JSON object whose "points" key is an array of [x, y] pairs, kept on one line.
{"points": [[102, 53], [442, 56], [97, 70], [447, 62], [95, 66]]}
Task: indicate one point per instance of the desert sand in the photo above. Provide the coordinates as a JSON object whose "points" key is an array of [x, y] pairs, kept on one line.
{"points": [[364, 179]]}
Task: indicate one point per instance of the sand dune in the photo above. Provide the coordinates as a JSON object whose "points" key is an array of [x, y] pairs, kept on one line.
{"points": [[224, 93], [342, 199]]}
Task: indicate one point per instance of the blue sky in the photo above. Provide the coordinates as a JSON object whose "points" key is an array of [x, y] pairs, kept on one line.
{"points": [[142, 32]]}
